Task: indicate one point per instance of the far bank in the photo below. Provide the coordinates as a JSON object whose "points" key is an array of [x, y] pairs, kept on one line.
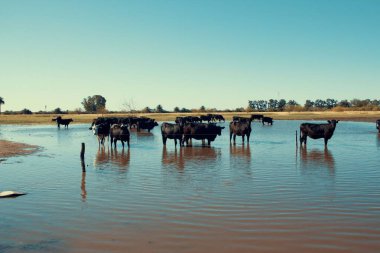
{"points": [[365, 116]]}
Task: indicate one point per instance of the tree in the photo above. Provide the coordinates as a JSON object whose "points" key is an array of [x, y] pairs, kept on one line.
{"points": [[146, 110], [94, 104], [1, 103], [202, 108], [331, 103], [176, 109], [344, 103], [281, 104], [309, 104], [26, 111], [160, 109], [57, 111]]}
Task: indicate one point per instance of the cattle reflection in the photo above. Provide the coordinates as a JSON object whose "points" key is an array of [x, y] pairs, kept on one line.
{"points": [[106, 156], [242, 151], [196, 155], [174, 157], [317, 158], [378, 140]]}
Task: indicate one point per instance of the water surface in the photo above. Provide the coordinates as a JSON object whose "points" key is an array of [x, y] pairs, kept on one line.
{"points": [[265, 196]]}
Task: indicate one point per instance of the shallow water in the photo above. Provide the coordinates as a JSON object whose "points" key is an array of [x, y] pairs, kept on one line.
{"points": [[267, 196]]}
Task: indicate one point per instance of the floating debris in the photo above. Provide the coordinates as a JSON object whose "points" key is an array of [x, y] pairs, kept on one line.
{"points": [[10, 194]]}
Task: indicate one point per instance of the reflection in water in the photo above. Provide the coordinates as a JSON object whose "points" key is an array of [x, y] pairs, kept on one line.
{"points": [[378, 140], [318, 158], [174, 157], [83, 187], [194, 155], [120, 158], [241, 152]]}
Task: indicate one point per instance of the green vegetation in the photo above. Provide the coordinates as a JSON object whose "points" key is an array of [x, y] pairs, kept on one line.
{"points": [[1, 103], [96, 103]]}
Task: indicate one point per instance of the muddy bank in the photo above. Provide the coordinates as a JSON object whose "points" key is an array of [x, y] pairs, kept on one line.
{"points": [[10, 148]]}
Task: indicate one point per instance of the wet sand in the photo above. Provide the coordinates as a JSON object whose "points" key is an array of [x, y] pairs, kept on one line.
{"points": [[10, 148]]}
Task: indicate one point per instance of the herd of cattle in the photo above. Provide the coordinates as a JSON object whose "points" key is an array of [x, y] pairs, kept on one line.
{"points": [[202, 128]]}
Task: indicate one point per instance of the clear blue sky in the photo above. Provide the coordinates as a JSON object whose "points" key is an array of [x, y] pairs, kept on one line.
{"points": [[186, 53]]}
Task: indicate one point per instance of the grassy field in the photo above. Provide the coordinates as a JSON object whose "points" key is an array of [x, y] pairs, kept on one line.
{"points": [[368, 116]]}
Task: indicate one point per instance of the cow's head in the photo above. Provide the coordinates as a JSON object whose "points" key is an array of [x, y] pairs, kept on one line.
{"points": [[219, 130], [333, 122]]}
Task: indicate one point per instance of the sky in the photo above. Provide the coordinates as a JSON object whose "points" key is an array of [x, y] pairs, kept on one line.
{"points": [[212, 53]]}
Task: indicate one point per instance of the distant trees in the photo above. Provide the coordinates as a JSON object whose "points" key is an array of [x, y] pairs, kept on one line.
{"points": [[26, 111], [96, 103], [57, 111], [1, 103], [275, 105]]}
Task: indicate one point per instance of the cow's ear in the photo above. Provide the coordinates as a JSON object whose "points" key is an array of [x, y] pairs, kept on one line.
{"points": [[329, 121]]}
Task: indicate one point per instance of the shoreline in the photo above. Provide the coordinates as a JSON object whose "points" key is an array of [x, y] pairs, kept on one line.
{"points": [[11, 149], [363, 116]]}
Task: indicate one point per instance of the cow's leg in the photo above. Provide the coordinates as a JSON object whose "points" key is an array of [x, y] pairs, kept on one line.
{"points": [[234, 139], [209, 142], [164, 140], [128, 141], [326, 140], [175, 142], [230, 136], [114, 143], [242, 138], [122, 143]]}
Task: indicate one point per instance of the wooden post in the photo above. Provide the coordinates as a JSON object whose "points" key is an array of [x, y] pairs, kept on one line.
{"points": [[82, 157]]}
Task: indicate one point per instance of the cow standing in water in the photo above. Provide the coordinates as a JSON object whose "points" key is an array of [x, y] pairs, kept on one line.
{"points": [[317, 131], [61, 121], [378, 125], [241, 129], [119, 132], [172, 131]]}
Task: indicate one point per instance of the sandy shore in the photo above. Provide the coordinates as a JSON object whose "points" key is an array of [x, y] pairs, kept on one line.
{"points": [[366, 116], [10, 148]]}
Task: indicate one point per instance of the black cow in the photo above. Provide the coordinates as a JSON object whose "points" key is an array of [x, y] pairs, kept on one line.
{"points": [[219, 117], [317, 131], [172, 131], [146, 123], [102, 131], [378, 125], [61, 121], [257, 116], [267, 120], [241, 119], [205, 118], [241, 129], [119, 132], [201, 131]]}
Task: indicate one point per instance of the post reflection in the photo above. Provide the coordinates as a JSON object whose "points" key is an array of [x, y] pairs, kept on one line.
{"points": [[112, 156], [198, 156], [83, 187], [317, 158]]}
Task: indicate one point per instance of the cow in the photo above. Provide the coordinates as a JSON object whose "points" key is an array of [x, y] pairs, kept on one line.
{"points": [[241, 129], [219, 117], [61, 121], [317, 131], [102, 131], [172, 131], [119, 132], [205, 118], [201, 131], [378, 125], [146, 123], [267, 120], [241, 119], [257, 116]]}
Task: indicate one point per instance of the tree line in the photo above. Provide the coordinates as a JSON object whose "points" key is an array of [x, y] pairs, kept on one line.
{"points": [[274, 105], [97, 104]]}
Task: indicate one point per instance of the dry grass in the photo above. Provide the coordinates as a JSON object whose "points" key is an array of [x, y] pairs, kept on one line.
{"points": [[369, 116]]}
